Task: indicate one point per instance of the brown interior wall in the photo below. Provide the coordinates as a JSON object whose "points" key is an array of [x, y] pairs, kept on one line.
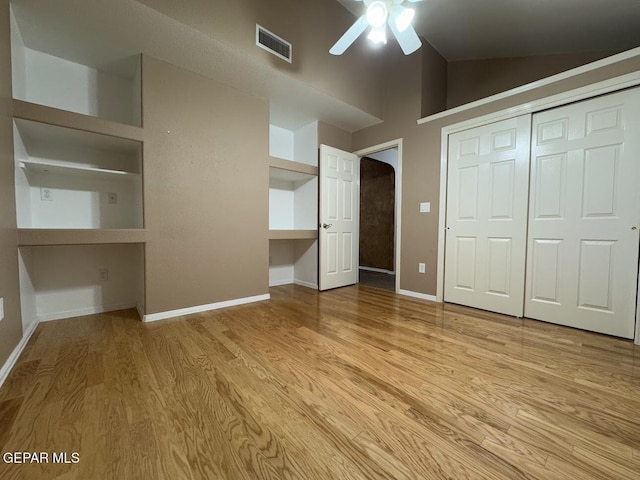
{"points": [[377, 207], [11, 326], [472, 80], [206, 190], [422, 150]]}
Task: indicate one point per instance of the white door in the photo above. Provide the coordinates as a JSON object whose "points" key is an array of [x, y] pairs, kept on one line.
{"points": [[339, 217], [487, 197], [582, 266]]}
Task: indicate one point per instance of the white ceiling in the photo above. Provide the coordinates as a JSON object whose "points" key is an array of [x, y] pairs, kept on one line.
{"points": [[480, 29]]}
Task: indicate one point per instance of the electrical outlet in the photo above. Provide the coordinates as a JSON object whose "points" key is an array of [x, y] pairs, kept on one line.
{"points": [[1, 309], [103, 274], [112, 198], [46, 194], [422, 268]]}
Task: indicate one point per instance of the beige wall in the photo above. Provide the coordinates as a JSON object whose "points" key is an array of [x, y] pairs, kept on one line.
{"points": [[206, 190], [421, 154], [11, 326], [471, 80], [434, 81], [312, 26], [402, 107], [334, 137]]}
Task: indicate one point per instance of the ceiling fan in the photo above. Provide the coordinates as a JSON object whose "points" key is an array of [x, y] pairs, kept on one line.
{"points": [[379, 13]]}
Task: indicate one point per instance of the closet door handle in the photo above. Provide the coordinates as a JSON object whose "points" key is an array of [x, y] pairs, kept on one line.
{"points": [[327, 226]]}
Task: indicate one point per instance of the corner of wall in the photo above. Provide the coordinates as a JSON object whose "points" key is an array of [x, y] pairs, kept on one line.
{"points": [[11, 327], [334, 137]]}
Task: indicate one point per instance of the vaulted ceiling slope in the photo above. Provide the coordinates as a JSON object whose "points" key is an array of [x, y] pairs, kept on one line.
{"points": [[482, 29]]}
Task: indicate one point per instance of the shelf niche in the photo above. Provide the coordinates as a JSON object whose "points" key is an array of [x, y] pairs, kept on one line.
{"points": [[74, 280], [293, 203], [70, 179], [44, 73]]}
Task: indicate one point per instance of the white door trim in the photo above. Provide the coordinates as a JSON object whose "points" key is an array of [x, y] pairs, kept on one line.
{"points": [[398, 226], [600, 88]]}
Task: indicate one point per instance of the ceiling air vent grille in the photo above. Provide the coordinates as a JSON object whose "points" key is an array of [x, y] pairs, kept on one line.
{"points": [[273, 43]]}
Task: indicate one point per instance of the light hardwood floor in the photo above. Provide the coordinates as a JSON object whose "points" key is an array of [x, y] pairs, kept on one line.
{"points": [[349, 384]]}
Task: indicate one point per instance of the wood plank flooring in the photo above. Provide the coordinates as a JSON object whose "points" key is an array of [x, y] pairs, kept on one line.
{"points": [[356, 383]]}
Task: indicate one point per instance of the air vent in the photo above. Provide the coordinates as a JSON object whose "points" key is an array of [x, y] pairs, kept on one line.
{"points": [[273, 43]]}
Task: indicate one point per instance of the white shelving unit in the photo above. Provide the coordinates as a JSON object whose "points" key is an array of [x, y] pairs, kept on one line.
{"points": [[67, 178], [293, 205], [50, 75], [78, 143]]}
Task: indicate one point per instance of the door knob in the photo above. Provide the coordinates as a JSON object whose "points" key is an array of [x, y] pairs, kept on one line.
{"points": [[327, 225], [634, 228]]}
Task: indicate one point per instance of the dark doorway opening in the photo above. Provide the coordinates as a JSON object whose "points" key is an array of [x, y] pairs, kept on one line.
{"points": [[378, 219]]}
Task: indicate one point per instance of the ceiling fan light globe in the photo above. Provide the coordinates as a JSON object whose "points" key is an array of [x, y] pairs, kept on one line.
{"points": [[377, 14], [378, 35], [404, 17]]}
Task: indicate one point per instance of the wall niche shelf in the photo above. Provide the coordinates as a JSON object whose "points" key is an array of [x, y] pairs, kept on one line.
{"points": [[68, 236], [75, 179], [293, 202], [76, 121], [293, 234], [281, 168], [78, 165], [62, 169]]}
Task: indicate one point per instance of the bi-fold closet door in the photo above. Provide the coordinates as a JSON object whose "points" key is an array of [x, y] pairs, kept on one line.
{"points": [[581, 220]]}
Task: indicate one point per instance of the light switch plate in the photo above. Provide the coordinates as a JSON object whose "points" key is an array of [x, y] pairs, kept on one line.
{"points": [[425, 207], [422, 268], [1, 309]]}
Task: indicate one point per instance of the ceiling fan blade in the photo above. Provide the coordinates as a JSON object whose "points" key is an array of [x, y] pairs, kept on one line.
{"points": [[350, 36], [408, 39]]}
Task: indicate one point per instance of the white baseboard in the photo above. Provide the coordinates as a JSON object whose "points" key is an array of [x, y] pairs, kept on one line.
{"points": [[13, 358], [154, 317], [423, 296], [379, 270], [302, 283], [279, 283], [80, 312]]}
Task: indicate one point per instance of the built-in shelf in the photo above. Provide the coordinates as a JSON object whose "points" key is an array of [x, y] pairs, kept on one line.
{"points": [[293, 201], [279, 164], [69, 178], [46, 236], [76, 121], [293, 234], [52, 167]]}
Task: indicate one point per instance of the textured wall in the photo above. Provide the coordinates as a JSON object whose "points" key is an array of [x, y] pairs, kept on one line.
{"points": [[475, 79], [206, 190], [377, 206]]}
